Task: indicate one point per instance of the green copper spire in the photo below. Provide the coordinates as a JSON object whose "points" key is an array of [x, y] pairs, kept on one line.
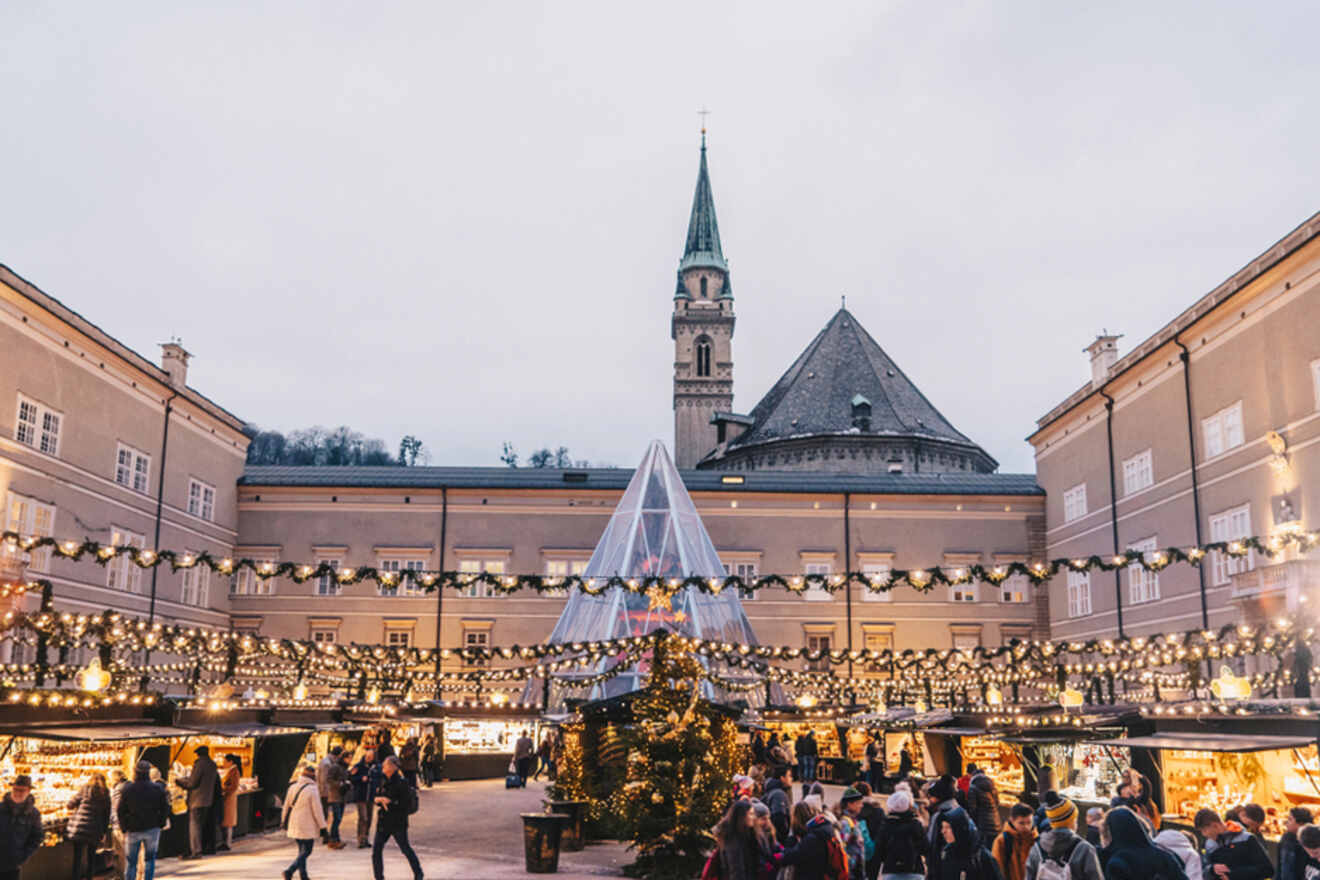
{"points": [[703, 235]]}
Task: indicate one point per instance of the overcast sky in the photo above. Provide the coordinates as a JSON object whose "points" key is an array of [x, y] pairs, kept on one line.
{"points": [[463, 220]]}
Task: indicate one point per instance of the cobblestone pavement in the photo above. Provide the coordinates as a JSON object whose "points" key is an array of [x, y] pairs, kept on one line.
{"points": [[462, 830]]}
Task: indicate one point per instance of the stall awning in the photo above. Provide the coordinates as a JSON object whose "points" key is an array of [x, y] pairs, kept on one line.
{"points": [[332, 726], [1211, 742], [249, 728], [1064, 736], [958, 731], [106, 732]]}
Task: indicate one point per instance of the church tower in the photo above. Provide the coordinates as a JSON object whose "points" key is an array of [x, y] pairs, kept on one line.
{"points": [[702, 330]]}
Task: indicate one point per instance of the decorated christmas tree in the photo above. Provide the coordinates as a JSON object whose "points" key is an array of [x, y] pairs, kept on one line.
{"points": [[682, 754]]}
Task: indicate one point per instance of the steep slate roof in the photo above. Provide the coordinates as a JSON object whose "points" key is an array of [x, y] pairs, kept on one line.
{"points": [[816, 395], [702, 247], [387, 477]]}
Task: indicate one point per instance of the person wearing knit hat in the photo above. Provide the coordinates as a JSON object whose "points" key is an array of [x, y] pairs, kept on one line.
{"points": [[1061, 844], [851, 794], [943, 789]]}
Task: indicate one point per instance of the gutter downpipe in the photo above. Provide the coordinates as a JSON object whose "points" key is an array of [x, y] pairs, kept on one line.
{"points": [[847, 584], [160, 504], [1186, 357], [440, 587], [1113, 505]]}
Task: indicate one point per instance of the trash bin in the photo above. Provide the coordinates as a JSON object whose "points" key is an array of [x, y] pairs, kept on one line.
{"points": [[574, 837], [541, 832]]}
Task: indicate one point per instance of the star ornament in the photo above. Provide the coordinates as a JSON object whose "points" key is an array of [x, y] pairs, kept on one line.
{"points": [[660, 599]]}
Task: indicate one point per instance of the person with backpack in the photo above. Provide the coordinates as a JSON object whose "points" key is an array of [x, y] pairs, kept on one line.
{"points": [[776, 798], [901, 847], [1060, 853], [303, 819], [395, 801], [963, 857], [143, 810], [1131, 854], [1013, 845], [1231, 852], [856, 837], [872, 817], [817, 853]]}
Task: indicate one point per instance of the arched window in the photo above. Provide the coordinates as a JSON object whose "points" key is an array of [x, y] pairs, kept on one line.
{"points": [[703, 286], [703, 352]]}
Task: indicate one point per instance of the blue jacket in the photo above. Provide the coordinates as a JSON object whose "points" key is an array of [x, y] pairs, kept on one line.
{"points": [[20, 832], [365, 779]]}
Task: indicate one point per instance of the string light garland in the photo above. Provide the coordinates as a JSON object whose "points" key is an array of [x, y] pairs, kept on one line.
{"points": [[921, 579]]}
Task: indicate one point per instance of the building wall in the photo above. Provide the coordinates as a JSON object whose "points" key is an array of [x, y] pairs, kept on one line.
{"points": [[1260, 346], [523, 529], [106, 396]]}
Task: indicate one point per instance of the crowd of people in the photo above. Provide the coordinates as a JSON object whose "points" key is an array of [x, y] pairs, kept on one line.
{"points": [[953, 828]]}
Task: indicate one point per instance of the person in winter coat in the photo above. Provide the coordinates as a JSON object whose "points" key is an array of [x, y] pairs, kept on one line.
{"points": [[1181, 845], [1130, 854], [872, 817], [230, 775], [20, 827], [200, 784], [362, 777], [963, 857], [1095, 818], [89, 820], [430, 750], [739, 846], [901, 846], [1014, 843], [410, 761], [336, 788], [393, 798], [118, 781], [1139, 798], [1231, 852], [853, 830], [807, 751], [143, 810], [758, 748], [1308, 859], [943, 796], [1063, 846], [1290, 854], [809, 852], [983, 806], [323, 783], [778, 799], [304, 818]]}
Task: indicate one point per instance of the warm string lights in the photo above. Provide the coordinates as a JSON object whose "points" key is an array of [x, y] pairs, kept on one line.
{"points": [[921, 579]]}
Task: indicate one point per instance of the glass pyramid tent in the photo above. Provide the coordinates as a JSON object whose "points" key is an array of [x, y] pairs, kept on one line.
{"points": [[655, 530]]}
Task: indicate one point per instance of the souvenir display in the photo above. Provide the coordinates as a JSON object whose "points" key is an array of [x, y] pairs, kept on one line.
{"points": [[1278, 780]]}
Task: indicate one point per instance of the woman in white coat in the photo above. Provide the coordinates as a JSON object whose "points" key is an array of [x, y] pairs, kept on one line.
{"points": [[304, 818]]}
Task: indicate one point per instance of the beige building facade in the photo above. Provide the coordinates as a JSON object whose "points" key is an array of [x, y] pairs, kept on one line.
{"points": [[1215, 426], [85, 453]]}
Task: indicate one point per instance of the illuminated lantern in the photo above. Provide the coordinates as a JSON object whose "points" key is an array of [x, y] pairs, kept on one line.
{"points": [[1229, 686], [94, 678], [994, 696], [1071, 698]]}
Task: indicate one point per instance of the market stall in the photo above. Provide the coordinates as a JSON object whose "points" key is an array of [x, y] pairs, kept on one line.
{"points": [[832, 764], [1219, 770], [477, 742], [61, 759]]}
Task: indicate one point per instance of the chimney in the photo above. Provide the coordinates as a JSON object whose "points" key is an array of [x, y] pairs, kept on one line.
{"points": [[174, 360], [1104, 354]]}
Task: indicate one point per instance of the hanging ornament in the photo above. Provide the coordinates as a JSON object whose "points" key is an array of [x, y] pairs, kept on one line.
{"points": [[373, 695], [1071, 698], [94, 678], [659, 599], [1229, 686], [994, 696], [300, 692]]}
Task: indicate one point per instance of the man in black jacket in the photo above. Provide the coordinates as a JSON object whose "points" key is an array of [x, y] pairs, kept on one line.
{"points": [[777, 799], [393, 802], [143, 811], [1231, 853], [20, 828]]}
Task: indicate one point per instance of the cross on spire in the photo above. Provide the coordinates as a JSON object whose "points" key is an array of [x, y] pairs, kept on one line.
{"points": [[703, 113]]}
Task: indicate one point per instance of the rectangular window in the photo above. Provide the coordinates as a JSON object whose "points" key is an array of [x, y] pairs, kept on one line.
{"points": [[876, 572], [132, 469], [196, 584], [476, 638], [401, 586], [818, 594], [1079, 593], [1074, 503], [1014, 590], [122, 573], [398, 638], [965, 638], [1223, 430], [1143, 586], [246, 583], [1231, 525], [328, 584], [745, 570], [1138, 473], [38, 426], [819, 642], [481, 590], [31, 518], [201, 499], [879, 640], [325, 636], [963, 592], [562, 568]]}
